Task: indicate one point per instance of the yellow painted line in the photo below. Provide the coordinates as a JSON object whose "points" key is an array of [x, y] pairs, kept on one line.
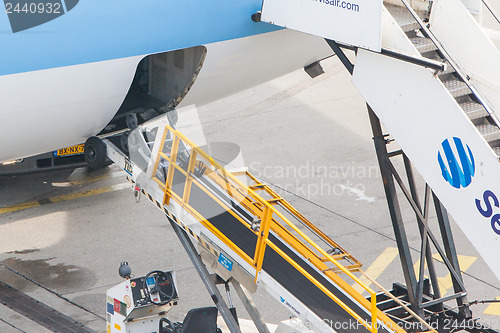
{"points": [[416, 268], [446, 283], [377, 267], [97, 177], [22, 206], [91, 179], [65, 197], [493, 308]]}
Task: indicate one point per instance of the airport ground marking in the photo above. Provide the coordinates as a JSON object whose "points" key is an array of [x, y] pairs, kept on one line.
{"points": [[445, 283], [95, 177], [377, 267], [64, 197], [493, 309]]}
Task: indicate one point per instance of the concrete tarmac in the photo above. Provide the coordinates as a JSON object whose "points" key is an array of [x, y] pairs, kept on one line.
{"points": [[63, 234]]}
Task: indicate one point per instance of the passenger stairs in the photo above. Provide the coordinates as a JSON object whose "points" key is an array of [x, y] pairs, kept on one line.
{"points": [[446, 120], [439, 106], [244, 230], [486, 123], [434, 82]]}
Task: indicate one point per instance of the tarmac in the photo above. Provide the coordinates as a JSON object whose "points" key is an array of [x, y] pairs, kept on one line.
{"points": [[64, 234]]}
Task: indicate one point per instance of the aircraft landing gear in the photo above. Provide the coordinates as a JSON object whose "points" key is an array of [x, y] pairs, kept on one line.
{"points": [[95, 152]]}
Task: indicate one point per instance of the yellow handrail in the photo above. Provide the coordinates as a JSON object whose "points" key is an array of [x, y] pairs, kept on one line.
{"points": [[268, 211]]}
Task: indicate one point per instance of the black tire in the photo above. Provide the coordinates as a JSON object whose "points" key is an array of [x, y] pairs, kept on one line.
{"points": [[124, 141], [95, 153], [132, 121]]}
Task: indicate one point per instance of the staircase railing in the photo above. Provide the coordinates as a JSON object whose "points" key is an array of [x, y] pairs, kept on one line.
{"points": [[184, 157], [453, 64]]}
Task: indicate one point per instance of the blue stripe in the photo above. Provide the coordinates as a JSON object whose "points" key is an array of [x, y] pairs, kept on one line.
{"points": [[444, 169], [457, 174], [110, 308], [453, 164], [467, 163], [97, 30]]}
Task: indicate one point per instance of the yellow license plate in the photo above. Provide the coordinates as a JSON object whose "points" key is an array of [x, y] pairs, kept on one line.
{"points": [[74, 150]]}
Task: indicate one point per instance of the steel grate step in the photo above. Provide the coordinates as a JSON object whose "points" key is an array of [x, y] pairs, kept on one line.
{"points": [[435, 56], [457, 88], [474, 110], [423, 44], [489, 132], [497, 151], [402, 17]]}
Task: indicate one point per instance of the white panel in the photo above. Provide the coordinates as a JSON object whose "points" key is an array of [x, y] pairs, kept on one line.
{"points": [[355, 22], [494, 35], [243, 63], [474, 6], [469, 46], [394, 38], [420, 113]]}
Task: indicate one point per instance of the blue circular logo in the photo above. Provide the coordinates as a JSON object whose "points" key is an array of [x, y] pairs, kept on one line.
{"points": [[457, 163]]}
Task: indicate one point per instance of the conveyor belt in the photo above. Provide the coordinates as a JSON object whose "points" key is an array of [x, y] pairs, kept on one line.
{"points": [[277, 267], [263, 237], [234, 215]]}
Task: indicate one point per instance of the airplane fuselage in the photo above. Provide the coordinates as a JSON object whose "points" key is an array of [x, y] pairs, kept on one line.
{"points": [[64, 80]]}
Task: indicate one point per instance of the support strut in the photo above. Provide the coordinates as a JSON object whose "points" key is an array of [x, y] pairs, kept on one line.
{"points": [[205, 277], [414, 284]]}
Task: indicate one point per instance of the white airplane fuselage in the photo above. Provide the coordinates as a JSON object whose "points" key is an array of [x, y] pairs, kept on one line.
{"points": [[61, 82]]}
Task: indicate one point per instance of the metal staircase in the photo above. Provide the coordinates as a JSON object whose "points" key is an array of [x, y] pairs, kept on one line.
{"points": [[452, 80], [424, 99]]}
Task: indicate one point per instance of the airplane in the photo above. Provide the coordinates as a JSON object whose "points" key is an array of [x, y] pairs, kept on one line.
{"points": [[70, 68], [81, 67]]}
